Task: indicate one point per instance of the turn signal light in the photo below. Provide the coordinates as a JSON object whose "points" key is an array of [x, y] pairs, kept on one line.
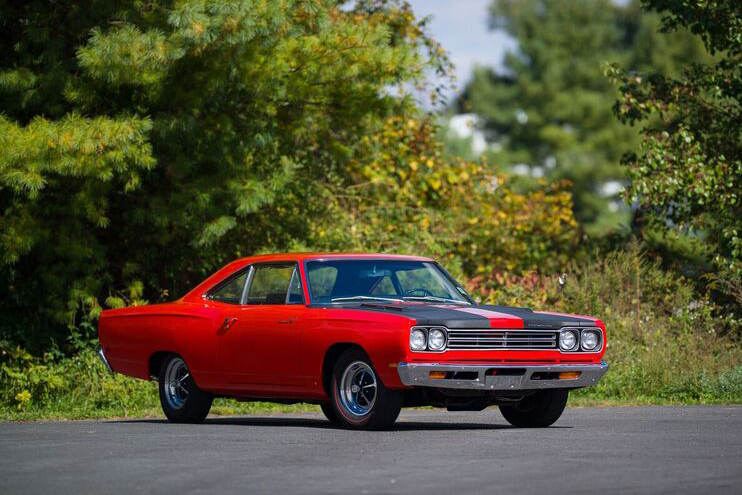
{"points": [[569, 375], [437, 375]]}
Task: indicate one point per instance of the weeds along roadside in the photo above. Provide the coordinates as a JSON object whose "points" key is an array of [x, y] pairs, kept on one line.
{"points": [[665, 346]]}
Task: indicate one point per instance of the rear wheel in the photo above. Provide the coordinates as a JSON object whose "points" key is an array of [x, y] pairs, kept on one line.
{"points": [[181, 399], [359, 399], [538, 410]]}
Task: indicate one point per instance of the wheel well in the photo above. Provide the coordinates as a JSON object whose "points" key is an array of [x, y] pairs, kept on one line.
{"points": [[331, 356], [155, 363]]}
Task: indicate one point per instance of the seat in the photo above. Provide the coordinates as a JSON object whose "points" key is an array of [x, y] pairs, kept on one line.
{"points": [[275, 298]]}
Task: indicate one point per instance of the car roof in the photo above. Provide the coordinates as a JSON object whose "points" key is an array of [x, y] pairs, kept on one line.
{"points": [[238, 264], [314, 256]]}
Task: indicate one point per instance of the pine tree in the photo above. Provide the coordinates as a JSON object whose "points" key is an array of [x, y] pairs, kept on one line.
{"points": [[550, 108], [144, 144]]}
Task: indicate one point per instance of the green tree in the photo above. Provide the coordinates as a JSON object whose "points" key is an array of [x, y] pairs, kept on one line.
{"points": [[550, 107], [687, 172], [144, 144], [404, 194]]}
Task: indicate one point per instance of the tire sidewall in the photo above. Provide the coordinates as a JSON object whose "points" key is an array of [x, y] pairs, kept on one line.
{"points": [[328, 410], [543, 410], [195, 404], [384, 398]]}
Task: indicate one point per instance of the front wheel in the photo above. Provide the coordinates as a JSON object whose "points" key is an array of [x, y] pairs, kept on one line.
{"points": [[182, 401], [329, 411], [359, 399], [539, 410]]}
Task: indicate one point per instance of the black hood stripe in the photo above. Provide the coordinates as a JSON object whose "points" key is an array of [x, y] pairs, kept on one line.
{"points": [[474, 316], [540, 320]]}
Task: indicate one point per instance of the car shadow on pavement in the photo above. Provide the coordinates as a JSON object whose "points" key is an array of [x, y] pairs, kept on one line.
{"points": [[324, 424]]}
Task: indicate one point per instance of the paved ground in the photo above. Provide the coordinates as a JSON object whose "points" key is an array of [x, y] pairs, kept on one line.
{"points": [[627, 450]]}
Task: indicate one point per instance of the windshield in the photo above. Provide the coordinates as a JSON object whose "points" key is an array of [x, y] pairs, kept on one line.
{"points": [[397, 280]]}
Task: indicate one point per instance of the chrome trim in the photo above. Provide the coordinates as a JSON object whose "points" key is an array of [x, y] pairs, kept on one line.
{"points": [[577, 336], [491, 337], [597, 348], [579, 331], [418, 375], [102, 356], [450, 332], [427, 329], [248, 282], [356, 384], [175, 384]]}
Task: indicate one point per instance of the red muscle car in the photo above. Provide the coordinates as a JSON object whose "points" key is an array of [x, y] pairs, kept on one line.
{"points": [[362, 335]]}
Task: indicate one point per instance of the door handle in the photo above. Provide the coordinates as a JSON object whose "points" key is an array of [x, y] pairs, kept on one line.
{"points": [[290, 320], [228, 322]]}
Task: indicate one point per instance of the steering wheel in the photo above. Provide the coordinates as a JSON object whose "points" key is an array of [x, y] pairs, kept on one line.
{"points": [[425, 291]]}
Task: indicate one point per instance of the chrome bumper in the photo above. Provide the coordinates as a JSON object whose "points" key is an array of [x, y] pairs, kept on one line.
{"points": [[500, 377], [102, 356]]}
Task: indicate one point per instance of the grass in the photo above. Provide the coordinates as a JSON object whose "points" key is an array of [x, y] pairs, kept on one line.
{"points": [[221, 407], [89, 392], [79, 387], [665, 347]]}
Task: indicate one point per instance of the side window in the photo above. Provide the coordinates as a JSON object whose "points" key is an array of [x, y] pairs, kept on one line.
{"points": [[270, 284], [231, 291], [295, 293]]}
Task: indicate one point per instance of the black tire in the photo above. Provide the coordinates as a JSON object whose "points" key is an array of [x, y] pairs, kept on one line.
{"points": [[377, 412], [537, 411], [185, 402], [329, 412]]}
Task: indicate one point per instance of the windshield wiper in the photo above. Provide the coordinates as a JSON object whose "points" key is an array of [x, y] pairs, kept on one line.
{"points": [[435, 299], [364, 298]]}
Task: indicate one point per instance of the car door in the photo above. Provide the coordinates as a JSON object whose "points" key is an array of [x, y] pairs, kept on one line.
{"points": [[261, 347]]}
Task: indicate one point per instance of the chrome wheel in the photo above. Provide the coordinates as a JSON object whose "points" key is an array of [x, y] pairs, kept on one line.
{"points": [[175, 378], [357, 388]]}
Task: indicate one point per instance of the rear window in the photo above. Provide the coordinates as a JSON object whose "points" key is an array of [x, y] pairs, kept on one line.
{"points": [[230, 291]]}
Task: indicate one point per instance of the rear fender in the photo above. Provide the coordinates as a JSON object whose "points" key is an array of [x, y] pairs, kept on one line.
{"points": [[131, 336]]}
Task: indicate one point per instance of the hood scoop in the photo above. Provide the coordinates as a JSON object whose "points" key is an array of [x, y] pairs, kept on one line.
{"points": [[382, 306]]}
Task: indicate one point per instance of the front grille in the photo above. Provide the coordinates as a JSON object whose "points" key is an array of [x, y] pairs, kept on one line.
{"points": [[468, 339]]}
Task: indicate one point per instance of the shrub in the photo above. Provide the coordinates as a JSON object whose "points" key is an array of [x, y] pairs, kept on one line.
{"points": [[77, 383], [58, 387], [665, 343]]}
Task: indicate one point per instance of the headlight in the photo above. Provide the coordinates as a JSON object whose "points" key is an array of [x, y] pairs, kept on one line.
{"points": [[417, 340], [590, 340], [568, 340], [436, 339]]}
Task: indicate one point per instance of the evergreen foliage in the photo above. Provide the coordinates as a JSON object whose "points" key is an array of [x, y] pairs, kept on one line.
{"points": [[687, 173], [143, 145], [549, 108]]}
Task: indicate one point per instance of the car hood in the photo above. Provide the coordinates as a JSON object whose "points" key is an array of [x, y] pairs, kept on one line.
{"points": [[473, 316]]}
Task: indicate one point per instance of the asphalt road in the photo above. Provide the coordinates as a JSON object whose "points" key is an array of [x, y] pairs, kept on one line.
{"points": [[627, 450]]}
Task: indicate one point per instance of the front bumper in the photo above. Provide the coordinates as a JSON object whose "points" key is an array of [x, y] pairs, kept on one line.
{"points": [[102, 356], [500, 377]]}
